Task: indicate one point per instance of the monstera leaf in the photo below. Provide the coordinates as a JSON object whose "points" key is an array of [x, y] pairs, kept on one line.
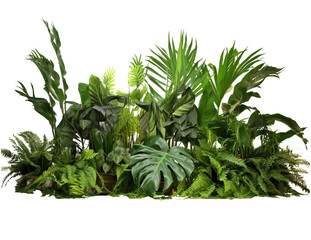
{"points": [[154, 159]]}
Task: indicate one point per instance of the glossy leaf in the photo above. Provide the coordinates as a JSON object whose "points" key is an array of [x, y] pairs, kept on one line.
{"points": [[154, 159], [97, 91]]}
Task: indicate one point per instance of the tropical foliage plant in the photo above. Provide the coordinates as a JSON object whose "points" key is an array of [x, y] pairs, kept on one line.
{"points": [[179, 127]]}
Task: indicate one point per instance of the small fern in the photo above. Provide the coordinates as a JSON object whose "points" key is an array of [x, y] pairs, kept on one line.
{"points": [[69, 180], [202, 186], [31, 157]]}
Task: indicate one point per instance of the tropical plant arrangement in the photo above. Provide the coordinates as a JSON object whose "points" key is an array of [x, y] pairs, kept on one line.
{"points": [[171, 134]]}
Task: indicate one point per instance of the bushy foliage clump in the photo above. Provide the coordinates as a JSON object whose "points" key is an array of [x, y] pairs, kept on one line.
{"points": [[171, 134]]}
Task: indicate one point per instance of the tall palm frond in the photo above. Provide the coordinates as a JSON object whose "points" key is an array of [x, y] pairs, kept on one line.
{"points": [[231, 67], [171, 68]]}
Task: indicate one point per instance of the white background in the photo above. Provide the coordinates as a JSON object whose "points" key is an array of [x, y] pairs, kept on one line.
{"points": [[99, 34]]}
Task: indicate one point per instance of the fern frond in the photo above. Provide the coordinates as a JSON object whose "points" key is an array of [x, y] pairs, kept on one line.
{"points": [[252, 184], [6, 153], [262, 184], [299, 181], [32, 139], [216, 165], [69, 172], [232, 159], [229, 187], [20, 146], [299, 170], [220, 191], [7, 177], [275, 174], [201, 183], [208, 192]]}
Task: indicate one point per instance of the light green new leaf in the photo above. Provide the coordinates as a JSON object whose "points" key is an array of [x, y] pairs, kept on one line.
{"points": [[136, 75], [108, 81]]}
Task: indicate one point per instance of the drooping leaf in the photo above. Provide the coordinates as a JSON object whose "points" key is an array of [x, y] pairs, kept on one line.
{"points": [[41, 105], [258, 121], [253, 79], [229, 69]]}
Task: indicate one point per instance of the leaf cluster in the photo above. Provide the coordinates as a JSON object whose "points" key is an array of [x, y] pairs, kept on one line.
{"points": [[30, 158], [172, 129], [69, 177], [223, 175]]}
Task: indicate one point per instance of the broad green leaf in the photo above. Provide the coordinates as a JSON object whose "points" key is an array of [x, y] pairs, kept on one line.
{"points": [[154, 159], [97, 91], [84, 94]]}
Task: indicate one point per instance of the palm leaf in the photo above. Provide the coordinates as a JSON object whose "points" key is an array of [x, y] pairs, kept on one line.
{"points": [[136, 75], [229, 69], [170, 69], [108, 81]]}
